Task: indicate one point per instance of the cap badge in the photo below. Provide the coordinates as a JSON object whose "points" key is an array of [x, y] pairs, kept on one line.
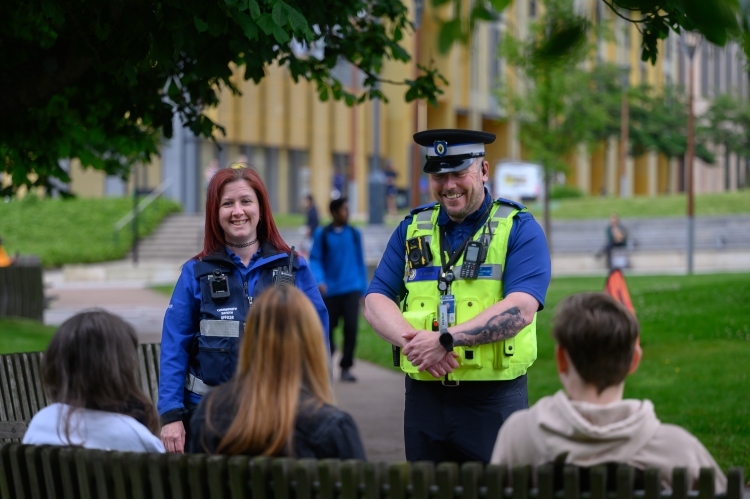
{"points": [[441, 147]]}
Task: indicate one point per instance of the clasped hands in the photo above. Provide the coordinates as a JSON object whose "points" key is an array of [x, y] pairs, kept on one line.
{"points": [[424, 351]]}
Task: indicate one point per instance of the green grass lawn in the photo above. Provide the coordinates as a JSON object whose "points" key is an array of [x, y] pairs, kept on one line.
{"points": [[673, 205], [23, 335], [76, 230], [695, 333]]}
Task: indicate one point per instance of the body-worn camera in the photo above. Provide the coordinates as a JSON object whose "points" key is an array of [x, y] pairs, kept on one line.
{"points": [[218, 284], [418, 252], [285, 276]]}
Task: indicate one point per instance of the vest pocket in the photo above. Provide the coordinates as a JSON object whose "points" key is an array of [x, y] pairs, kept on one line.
{"points": [[418, 319], [215, 359]]}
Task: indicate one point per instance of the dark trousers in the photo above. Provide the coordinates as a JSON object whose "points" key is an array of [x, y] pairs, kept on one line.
{"points": [[459, 423], [608, 249], [346, 306]]}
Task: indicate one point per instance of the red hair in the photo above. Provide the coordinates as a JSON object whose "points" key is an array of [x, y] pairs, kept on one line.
{"points": [[213, 239]]}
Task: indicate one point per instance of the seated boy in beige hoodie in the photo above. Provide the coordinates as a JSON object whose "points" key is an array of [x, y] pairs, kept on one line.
{"points": [[589, 423]]}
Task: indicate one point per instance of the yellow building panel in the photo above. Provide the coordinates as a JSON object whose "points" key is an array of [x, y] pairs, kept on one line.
{"points": [[299, 119], [320, 157], [250, 113], [86, 182], [663, 175], [598, 169], [343, 130], [275, 101], [640, 188]]}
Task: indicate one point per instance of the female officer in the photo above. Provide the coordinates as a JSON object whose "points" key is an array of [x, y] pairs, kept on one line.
{"points": [[243, 253]]}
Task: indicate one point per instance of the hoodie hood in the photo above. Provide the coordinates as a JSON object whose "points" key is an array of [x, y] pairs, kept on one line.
{"points": [[587, 434]]}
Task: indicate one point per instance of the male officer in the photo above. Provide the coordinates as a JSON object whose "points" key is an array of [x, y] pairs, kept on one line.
{"points": [[457, 291]]}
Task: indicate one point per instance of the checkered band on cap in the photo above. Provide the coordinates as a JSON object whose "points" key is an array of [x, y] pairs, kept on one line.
{"points": [[442, 149]]}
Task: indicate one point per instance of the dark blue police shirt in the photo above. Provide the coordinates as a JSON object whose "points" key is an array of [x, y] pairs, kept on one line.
{"points": [[527, 266]]}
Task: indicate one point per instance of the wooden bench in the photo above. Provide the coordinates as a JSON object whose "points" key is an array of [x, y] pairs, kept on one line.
{"points": [[22, 393], [22, 289], [28, 471]]}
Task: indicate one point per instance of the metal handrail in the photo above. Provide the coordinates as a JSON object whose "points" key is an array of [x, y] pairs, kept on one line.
{"points": [[142, 205]]}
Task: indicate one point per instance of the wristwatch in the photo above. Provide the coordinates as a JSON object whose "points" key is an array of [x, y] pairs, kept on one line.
{"points": [[446, 339]]}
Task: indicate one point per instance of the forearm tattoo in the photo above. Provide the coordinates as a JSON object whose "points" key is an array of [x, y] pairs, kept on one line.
{"points": [[501, 327]]}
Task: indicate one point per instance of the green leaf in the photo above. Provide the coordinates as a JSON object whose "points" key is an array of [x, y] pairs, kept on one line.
{"points": [[481, 12], [281, 35], [449, 33], [254, 9], [500, 5], [297, 21], [266, 23], [231, 2], [278, 14], [247, 24], [323, 95], [200, 24]]}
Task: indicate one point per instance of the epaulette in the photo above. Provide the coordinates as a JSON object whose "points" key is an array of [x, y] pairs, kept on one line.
{"points": [[422, 208], [512, 203]]}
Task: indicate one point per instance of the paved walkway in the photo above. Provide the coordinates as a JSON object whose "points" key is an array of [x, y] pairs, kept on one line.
{"points": [[376, 401]]}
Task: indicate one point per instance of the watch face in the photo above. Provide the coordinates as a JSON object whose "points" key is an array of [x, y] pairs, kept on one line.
{"points": [[446, 339]]}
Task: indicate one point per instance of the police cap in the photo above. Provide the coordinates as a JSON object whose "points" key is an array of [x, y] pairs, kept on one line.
{"points": [[452, 150]]}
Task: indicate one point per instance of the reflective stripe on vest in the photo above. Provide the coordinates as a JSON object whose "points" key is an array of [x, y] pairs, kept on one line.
{"points": [[226, 329], [502, 360], [196, 385]]}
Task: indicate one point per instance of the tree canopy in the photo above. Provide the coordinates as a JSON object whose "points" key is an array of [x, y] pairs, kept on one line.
{"points": [[100, 81]]}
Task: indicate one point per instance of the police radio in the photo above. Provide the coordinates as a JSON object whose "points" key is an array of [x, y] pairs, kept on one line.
{"points": [[474, 256], [418, 252], [218, 285], [285, 275]]}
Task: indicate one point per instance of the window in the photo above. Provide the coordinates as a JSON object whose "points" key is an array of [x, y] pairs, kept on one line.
{"points": [[532, 9]]}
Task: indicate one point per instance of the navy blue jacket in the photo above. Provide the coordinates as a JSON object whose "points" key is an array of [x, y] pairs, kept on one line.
{"points": [[201, 335]]}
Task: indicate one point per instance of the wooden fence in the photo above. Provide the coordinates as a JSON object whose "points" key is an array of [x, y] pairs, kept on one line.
{"points": [[22, 289], [29, 472]]}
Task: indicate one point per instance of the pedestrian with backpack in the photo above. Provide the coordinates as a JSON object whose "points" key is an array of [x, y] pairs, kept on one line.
{"points": [[338, 264]]}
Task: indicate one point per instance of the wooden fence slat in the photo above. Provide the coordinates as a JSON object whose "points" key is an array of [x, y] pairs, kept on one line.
{"points": [[571, 482], [328, 473], [158, 475], [51, 469], [196, 467], [6, 406], [30, 378], [706, 481], [305, 475], [398, 480], [239, 477], [598, 482], [18, 471], [545, 476], [142, 376], [735, 483], [6, 482], [260, 474], [471, 473], [32, 454], [102, 467], [136, 466], [495, 476], [446, 476], [42, 398], [625, 478], [375, 474], [216, 467], [152, 369], [178, 482], [521, 482], [281, 474], [84, 472], [680, 485], [351, 477], [652, 483], [119, 472], [67, 473], [422, 479]]}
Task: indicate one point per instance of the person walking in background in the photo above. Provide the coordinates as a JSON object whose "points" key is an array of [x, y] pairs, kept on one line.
{"points": [[590, 423], [617, 237], [243, 254], [279, 402], [457, 291], [89, 371], [311, 223], [338, 263]]}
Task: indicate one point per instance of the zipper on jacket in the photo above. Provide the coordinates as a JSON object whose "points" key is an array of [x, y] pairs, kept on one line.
{"points": [[249, 298]]}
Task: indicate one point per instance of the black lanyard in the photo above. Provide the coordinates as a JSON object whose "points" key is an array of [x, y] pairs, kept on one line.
{"points": [[446, 276]]}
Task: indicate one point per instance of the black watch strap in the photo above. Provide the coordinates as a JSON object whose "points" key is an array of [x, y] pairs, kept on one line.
{"points": [[446, 340]]}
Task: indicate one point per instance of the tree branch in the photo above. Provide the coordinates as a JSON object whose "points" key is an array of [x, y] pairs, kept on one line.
{"points": [[611, 6]]}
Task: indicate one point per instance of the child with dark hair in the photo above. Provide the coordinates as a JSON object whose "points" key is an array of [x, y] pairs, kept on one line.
{"points": [[89, 371], [590, 423]]}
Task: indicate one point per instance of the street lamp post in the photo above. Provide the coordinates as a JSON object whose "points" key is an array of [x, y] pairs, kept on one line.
{"points": [[690, 41], [416, 149], [625, 74]]}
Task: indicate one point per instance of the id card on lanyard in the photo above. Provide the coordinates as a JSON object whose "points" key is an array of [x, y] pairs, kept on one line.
{"points": [[450, 307]]}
